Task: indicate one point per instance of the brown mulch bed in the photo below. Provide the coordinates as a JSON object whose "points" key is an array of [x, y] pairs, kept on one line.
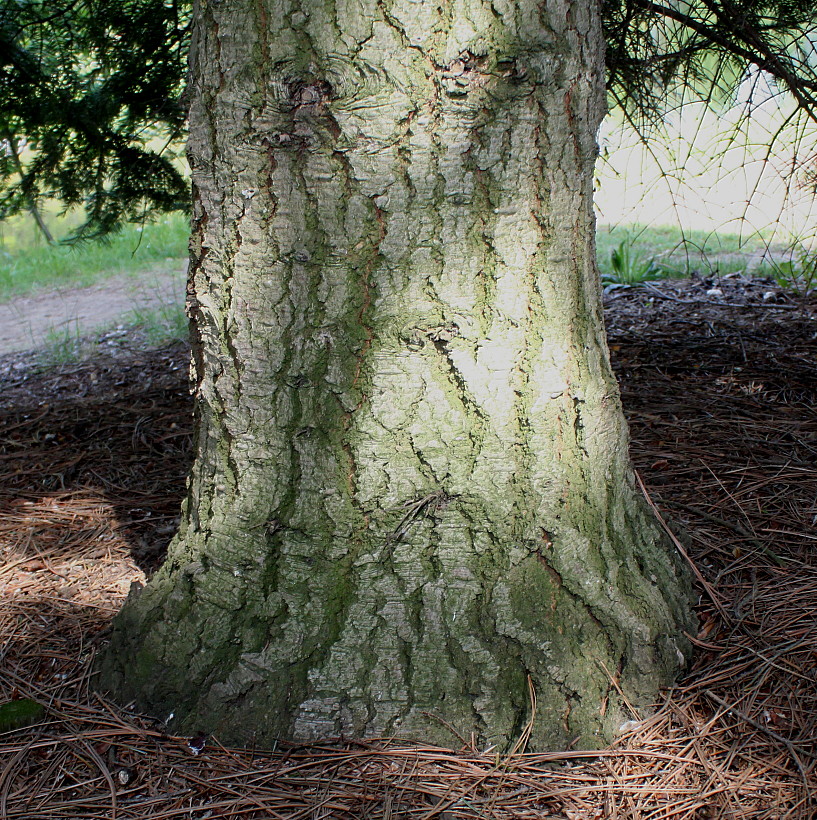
{"points": [[720, 390]]}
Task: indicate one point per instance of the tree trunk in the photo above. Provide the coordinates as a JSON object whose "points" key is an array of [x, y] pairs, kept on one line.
{"points": [[11, 142], [412, 503]]}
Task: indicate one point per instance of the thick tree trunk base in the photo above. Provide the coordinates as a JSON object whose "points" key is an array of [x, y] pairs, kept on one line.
{"points": [[412, 503], [434, 649]]}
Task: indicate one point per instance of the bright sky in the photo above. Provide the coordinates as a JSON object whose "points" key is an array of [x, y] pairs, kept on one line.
{"points": [[713, 177]]}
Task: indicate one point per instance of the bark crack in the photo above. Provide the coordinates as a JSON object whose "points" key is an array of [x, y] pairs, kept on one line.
{"points": [[480, 421]]}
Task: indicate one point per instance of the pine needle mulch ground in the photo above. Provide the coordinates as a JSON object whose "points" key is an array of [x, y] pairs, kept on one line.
{"points": [[721, 393]]}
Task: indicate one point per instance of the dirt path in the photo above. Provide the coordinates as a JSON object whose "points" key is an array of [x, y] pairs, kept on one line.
{"points": [[29, 322]]}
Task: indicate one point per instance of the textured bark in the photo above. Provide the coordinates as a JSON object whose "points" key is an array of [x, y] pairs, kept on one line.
{"points": [[412, 493]]}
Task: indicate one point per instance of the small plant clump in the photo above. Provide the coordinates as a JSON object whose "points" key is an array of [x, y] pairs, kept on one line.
{"points": [[797, 274], [629, 267]]}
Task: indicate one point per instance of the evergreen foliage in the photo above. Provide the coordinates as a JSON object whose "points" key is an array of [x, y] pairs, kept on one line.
{"points": [[90, 94], [93, 89], [658, 51]]}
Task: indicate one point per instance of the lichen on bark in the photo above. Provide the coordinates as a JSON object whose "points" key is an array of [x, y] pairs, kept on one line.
{"points": [[412, 503]]}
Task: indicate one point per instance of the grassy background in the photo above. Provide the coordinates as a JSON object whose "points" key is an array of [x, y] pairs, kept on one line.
{"points": [[679, 253], [27, 263]]}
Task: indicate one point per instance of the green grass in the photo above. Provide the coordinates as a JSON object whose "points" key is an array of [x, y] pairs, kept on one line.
{"points": [[678, 253], [632, 254], [152, 327], [630, 267], [28, 264], [159, 326], [64, 344]]}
